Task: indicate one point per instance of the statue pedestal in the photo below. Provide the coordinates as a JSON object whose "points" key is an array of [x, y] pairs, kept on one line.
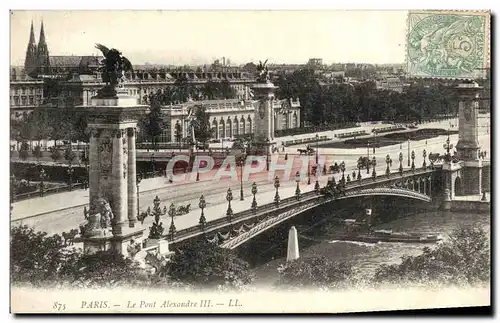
{"points": [[264, 117], [112, 167]]}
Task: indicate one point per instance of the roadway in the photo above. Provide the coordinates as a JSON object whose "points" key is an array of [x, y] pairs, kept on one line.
{"points": [[68, 211]]}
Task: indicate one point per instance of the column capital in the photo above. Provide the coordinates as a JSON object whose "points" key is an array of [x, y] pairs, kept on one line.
{"points": [[131, 132]]}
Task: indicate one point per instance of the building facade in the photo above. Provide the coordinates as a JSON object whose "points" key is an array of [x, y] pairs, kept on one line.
{"points": [[228, 118], [26, 93]]}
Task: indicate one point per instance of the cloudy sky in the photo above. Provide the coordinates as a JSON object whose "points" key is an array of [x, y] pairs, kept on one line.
{"points": [[198, 37]]}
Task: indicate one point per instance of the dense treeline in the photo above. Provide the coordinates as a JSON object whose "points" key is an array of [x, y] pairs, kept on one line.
{"points": [[343, 102]]}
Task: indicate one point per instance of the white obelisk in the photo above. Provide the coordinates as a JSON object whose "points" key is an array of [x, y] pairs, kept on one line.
{"points": [[293, 245]]}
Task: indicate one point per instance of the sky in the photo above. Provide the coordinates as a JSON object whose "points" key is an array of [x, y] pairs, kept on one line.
{"points": [[199, 37]]}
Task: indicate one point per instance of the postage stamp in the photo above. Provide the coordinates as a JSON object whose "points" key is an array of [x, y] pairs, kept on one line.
{"points": [[448, 44]]}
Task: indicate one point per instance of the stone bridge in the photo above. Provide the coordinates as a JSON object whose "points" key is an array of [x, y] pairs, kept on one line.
{"points": [[240, 227]]}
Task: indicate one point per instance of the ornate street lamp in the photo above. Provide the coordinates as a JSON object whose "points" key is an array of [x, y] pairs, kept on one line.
{"points": [[229, 198], [267, 154], [374, 162], [153, 164], [70, 172], [254, 201], [448, 147], [359, 170], [202, 204], [137, 182], [348, 178], [242, 161], [42, 176], [342, 168], [401, 163], [317, 145], [316, 185], [277, 196], [297, 190], [409, 152], [388, 161], [172, 214], [368, 160], [424, 154], [413, 160]]}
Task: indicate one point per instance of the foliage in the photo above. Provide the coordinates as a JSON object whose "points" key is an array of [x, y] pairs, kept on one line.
{"points": [[37, 152], [463, 259], [152, 122], [201, 125], [42, 260], [316, 272], [344, 102], [24, 151], [69, 155], [212, 90], [55, 153], [205, 264]]}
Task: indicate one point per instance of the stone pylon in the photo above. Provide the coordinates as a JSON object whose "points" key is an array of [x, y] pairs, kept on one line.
{"points": [[293, 245], [112, 168], [264, 116]]}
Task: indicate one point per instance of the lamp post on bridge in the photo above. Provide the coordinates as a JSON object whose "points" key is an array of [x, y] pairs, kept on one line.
{"points": [[242, 161], [153, 164], [42, 177], [202, 204], [137, 182], [342, 168], [374, 162], [388, 161], [401, 163], [448, 147], [408, 152], [359, 170], [229, 198], [424, 154], [413, 160], [277, 196], [368, 160], [70, 172], [254, 201], [317, 146], [171, 213], [267, 154], [297, 190]]}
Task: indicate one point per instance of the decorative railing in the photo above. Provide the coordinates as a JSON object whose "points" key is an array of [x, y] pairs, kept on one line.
{"points": [[285, 204]]}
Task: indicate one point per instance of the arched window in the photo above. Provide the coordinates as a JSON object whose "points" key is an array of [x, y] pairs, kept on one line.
{"points": [[248, 128], [236, 126], [294, 120], [222, 129], [215, 129], [242, 126], [229, 128]]}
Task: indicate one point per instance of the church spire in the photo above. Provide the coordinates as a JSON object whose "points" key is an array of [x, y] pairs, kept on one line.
{"points": [[30, 62], [42, 36], [32, 34], [43, 53]]}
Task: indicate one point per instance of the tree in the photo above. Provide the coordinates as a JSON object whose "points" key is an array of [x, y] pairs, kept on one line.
{"points": [[37, 153], [55, 154], [201, 125], [69, 155], [24, 151], [178, 132], [463, 259], [316, 272], [153, 122], [207, 265]]}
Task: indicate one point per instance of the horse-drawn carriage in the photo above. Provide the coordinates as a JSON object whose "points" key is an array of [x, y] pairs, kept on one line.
{"points": [[364, 162], [308, 151]]}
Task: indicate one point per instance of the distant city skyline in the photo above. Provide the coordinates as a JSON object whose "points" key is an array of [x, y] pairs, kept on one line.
{"points": [[199, 37]]}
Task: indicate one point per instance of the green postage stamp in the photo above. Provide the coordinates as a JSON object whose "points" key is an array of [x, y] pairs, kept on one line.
{"points": [[448, 44]]}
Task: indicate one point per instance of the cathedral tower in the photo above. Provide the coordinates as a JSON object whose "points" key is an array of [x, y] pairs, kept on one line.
{"points": [[43, 53], [30, 63]]}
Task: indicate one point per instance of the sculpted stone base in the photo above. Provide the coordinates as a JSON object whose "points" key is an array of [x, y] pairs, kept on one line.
{"points": [[128, 243]]}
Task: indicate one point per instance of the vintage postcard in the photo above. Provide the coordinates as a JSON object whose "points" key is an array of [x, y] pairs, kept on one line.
{"points": [[249, 161]]}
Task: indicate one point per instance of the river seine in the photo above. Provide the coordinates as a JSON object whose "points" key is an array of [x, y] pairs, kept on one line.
{"points": [[316, 240]]}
